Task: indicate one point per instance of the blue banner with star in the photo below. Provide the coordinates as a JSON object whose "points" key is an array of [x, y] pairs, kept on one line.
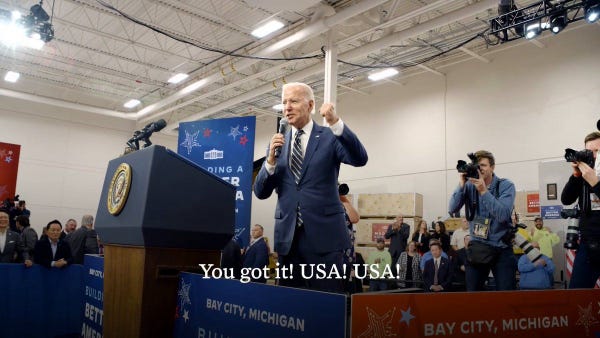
{"points": [[209, 307], [225, 147]]}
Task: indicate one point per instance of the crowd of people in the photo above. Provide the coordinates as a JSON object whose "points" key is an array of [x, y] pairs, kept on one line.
{"points": [[302, 166], [55, 248]]}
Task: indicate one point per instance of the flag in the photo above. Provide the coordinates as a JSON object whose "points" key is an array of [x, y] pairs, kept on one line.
{"points": [[9, 166], [570, 259]]}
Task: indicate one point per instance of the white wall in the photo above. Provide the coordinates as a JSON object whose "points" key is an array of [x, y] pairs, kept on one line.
{"points": [[527, 105], [63, 158]]}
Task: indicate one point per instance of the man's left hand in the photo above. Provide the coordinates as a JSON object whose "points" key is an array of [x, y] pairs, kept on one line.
{"points": [[479, 184], [328, 112]]}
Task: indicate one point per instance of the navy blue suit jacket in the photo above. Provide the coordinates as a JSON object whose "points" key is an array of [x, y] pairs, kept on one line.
{"points": [[43, 252], [13, 247], [257, 256], [316, 194], [444, 274]]}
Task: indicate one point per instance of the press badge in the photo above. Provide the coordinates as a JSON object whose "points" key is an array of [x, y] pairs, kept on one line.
{"points": [[481, 227]]}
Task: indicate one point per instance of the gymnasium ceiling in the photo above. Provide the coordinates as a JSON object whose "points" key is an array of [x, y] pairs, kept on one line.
{"points": [[100, 58]]}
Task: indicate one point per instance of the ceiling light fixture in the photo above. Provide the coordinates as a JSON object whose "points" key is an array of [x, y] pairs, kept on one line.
{"points": [[383, 74], [11, 76], [131, 103], [278, 107], [268, 28], [592, 10], [532, 30], [178, 78], [558, 23]]}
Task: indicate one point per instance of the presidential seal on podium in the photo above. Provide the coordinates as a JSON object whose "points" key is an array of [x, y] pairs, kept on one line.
{"points": [[119, 189]]}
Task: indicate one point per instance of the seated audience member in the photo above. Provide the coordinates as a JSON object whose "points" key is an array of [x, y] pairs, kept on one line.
{"points": [[427, 256], [231, 257], [421, 237], [28, 235], [409, 267], [83, 240], [69, 228], [53, 251], [11, 246], [382, 259], [460, 267], [441, 235], [536, 275], [256, 256], [544, 238], [437, 275], [457, 241]]}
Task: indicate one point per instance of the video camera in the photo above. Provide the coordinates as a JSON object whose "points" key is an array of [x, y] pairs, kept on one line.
{"points": [[470, 169], [572, 236], [9, 203]]}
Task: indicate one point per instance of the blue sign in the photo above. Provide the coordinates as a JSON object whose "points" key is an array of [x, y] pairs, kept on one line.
{"points": [[41, 302], [228, 308], [225, 147], [93, 297], [551, 211]]}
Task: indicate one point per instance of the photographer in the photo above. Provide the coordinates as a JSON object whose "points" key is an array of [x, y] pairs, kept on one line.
{"points": [[583, 187], [489, 202]]}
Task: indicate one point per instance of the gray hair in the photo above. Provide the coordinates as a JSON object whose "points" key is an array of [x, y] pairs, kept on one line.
{"points": [[87, 220], [307, 90]]}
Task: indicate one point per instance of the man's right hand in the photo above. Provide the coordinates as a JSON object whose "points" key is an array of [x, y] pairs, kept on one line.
{"points": [[276, 141], [576, 171]]}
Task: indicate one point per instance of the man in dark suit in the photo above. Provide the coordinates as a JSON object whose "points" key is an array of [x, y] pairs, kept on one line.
{"points": [[398, 233], [83, 240], [310, 227], [437, 275], [53, 252], [11, 246], [256, 256]]}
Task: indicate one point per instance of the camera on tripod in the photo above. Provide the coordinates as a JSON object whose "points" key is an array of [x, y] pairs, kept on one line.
{"points": [[469, 169], [572, 236]]}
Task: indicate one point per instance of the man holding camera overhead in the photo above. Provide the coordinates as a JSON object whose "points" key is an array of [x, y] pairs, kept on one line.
{"points": [[583, 187], [488, 203]]}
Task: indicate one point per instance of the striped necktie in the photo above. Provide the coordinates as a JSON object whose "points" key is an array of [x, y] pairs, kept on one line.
{"points": [[435, 274], [296, 167], [297, 156]]}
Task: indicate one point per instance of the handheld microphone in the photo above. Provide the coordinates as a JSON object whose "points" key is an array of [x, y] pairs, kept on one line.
{"points": [[283, 124]]}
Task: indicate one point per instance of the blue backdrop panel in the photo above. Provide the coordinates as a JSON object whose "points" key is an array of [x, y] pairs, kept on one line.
{"points": [[228, 308], [38, 302], [93, 298], [225, 147]]}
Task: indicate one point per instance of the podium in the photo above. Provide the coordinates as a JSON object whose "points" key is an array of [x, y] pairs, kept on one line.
{"points": [[159, 214]]}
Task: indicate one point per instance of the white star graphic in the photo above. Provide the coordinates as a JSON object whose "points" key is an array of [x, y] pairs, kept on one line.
{"points": [[8, 159], [245, 128], [406, 316], [190, 141], [186, 315], [184, 294], [235, 132], [10, 152]]}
